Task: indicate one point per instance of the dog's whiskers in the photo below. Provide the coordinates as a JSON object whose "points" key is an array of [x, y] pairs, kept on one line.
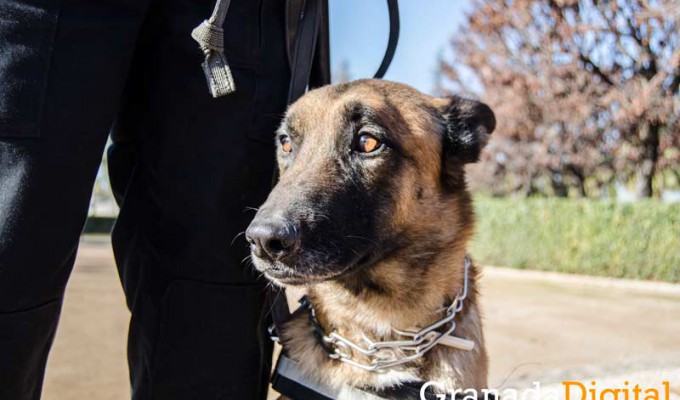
{"points": [[248, 259], [322, 216], [373, 242], [236, 237]]}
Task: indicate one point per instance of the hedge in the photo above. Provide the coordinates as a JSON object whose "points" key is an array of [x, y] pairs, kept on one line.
{"points": [[632, 240], [99, 225]]}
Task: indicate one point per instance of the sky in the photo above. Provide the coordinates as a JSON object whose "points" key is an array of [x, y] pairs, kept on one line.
{"points": [[359, 31]]}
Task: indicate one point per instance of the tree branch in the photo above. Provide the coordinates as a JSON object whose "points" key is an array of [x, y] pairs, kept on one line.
{"points": [[585, 59]]}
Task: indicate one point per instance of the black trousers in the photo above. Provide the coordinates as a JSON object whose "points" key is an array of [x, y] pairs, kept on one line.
{"points": [[183, 165]]}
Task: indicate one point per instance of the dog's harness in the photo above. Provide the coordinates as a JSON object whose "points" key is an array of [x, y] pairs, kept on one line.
{"points": [[290, 382], [381, 355]]}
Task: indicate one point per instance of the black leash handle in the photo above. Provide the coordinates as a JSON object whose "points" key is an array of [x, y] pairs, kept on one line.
{"points": [[393, 10]]}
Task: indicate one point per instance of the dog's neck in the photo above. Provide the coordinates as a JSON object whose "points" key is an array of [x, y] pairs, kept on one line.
{"points": [[373, 302], [383, 297]]}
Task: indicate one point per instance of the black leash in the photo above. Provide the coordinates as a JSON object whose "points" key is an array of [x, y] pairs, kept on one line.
{"points": [[393, 10], [308, 49], [288, 381]]}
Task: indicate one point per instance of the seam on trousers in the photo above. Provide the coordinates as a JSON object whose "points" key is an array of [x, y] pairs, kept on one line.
{"points": [[29, 309]]}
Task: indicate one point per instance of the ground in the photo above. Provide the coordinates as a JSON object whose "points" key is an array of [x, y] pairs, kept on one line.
{"points": [[537, 329]]}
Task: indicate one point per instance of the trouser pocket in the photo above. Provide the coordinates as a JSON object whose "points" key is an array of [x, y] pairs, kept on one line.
{"points": [[27, 30]]}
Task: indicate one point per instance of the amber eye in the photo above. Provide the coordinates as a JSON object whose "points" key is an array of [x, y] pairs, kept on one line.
{"points": [[368, 144], [286, 145]]}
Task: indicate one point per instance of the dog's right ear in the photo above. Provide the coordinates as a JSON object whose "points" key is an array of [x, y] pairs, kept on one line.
{"points": [[468, 124]]}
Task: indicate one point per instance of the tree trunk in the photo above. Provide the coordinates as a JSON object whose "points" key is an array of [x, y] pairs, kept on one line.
{"points": [[580, 177], [557, 181], [530, 188], [581, 186], [649, 135]]}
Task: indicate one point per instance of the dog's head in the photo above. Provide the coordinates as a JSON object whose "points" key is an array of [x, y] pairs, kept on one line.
{"points": [[365, 168]]}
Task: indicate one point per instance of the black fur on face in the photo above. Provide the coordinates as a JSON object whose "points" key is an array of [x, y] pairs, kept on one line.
{"points": [[338, 205]]}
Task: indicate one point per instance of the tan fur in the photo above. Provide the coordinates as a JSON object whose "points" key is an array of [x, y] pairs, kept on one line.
{"points": [[412, 292]]}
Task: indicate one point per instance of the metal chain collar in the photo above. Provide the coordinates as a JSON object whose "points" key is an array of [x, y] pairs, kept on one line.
{"points": [[385, 355]]}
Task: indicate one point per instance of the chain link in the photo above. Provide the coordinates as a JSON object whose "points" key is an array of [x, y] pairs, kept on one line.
{"points": [[384, 355]]}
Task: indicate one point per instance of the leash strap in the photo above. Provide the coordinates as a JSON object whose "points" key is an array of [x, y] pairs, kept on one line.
{"points": [[393, 10], [290, 382], [411, 390]]}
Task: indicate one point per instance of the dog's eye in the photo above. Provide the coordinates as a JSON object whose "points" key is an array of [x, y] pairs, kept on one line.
{"points": [[368, 144], [286, 145]]}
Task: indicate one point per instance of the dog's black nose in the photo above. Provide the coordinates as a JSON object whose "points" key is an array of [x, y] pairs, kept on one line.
{"points": [[272, 239]]}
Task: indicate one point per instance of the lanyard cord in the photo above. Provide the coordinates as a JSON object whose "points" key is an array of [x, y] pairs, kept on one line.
{"points": [[210, 37]]}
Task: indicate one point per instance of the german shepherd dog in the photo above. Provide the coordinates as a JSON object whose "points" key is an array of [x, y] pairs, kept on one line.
{"points": [[372, 216]]}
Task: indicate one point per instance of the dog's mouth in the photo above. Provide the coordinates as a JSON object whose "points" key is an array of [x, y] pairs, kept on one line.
{"points": [[284, 274]]}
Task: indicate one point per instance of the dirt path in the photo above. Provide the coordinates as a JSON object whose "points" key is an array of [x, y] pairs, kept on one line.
{"points": [[88, 358], [536, 330], [549, 331]]}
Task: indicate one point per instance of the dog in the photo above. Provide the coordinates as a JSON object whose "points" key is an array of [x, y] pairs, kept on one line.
{"points": [[372, 217]]}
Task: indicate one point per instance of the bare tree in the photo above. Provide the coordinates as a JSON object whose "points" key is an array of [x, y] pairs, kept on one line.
{"points": [[585, 91], [343, 73]]}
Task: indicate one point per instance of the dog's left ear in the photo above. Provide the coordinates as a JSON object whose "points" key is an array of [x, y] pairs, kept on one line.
{"points": [[468, 124]]}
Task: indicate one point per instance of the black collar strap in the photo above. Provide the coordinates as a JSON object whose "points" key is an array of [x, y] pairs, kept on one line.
{"points": [[290, 382]]}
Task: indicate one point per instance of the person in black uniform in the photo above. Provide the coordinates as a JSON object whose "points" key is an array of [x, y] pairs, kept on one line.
{"points": [[184, 166]]}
